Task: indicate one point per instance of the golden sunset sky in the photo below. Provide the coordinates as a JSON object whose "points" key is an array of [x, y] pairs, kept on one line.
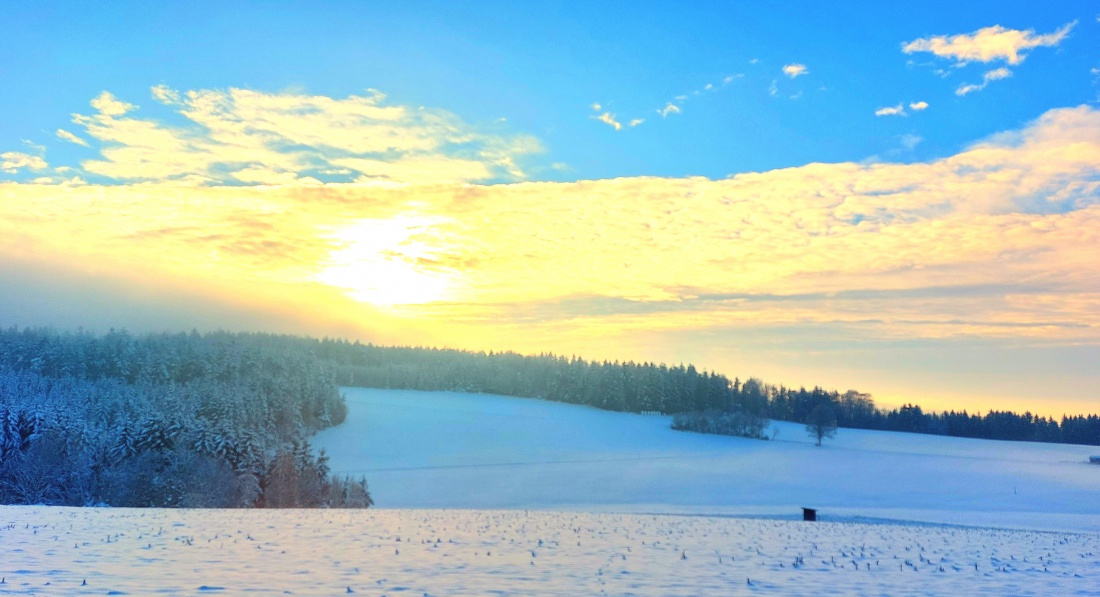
{"points": [[911, 263]]}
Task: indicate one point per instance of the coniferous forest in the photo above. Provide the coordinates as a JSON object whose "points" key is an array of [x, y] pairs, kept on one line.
{"points": [[215, 420], [224, 419]]}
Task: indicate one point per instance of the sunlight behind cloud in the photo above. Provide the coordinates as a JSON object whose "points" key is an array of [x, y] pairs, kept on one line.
{"points": [[997, 240], [387, 263]]}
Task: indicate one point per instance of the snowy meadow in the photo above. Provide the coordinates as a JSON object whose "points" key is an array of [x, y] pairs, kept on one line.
{"points": [[449, 450], [490, 495], [55, 551]]}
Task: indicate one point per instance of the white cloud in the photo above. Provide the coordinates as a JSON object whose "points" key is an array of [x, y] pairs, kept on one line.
{"points": [[968, 88], [636, 121], [109, 105], [14, 161], [993, 75], [795, 70], [597, 107], [65, 135], [263, 176], [670, 108], [987, 44], [899, 110], [165, 95], [242, 136], [609, 119]]}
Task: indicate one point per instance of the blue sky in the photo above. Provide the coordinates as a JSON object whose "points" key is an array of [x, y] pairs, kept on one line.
{"points": [[541, 67], [898, 198]]}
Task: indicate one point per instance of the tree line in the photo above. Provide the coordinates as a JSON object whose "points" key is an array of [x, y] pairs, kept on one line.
{"points": [[214, 420], [857, 410], [710, 398]]}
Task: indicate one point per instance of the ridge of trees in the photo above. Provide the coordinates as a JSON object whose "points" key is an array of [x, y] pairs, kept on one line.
{"points": [[639, 387], [213, 420]]}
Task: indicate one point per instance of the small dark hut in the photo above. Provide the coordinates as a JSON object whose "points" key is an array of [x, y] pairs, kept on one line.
{"points": [[809, 514]]}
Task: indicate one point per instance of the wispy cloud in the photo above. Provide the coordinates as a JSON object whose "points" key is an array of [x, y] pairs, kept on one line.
{"points": [[673, 106], [65, 135], [165, 94], [910, 141], [795, 70], [988, 44], [239, 136], [14, 161], [897, 110], [990, 76], [609, 119]]}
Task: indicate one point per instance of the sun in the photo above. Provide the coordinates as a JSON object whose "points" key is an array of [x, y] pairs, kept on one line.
{"points": [[388, 262]]}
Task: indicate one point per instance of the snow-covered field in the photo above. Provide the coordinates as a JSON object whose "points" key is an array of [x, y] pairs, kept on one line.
{"points": [[53, 551], [552, 499], [448, 450]]}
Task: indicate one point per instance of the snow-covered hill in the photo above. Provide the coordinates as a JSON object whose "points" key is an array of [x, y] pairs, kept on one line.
{"points": [[451, 450], [472, 453]]}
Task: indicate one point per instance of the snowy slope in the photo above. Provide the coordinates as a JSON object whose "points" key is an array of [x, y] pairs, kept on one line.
{"points": [[451, 450], [471, 451]]}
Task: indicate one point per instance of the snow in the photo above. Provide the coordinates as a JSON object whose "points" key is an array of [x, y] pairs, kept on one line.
{"points": [[553, 499], [52, 551], [453, 450]]}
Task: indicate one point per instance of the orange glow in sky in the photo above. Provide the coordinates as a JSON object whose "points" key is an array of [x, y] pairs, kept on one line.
{"points": [[920, 281]]}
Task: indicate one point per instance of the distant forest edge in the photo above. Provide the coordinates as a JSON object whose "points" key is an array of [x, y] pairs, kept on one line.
{"points": [[223, 419], [634, 387], [215, 420]]}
